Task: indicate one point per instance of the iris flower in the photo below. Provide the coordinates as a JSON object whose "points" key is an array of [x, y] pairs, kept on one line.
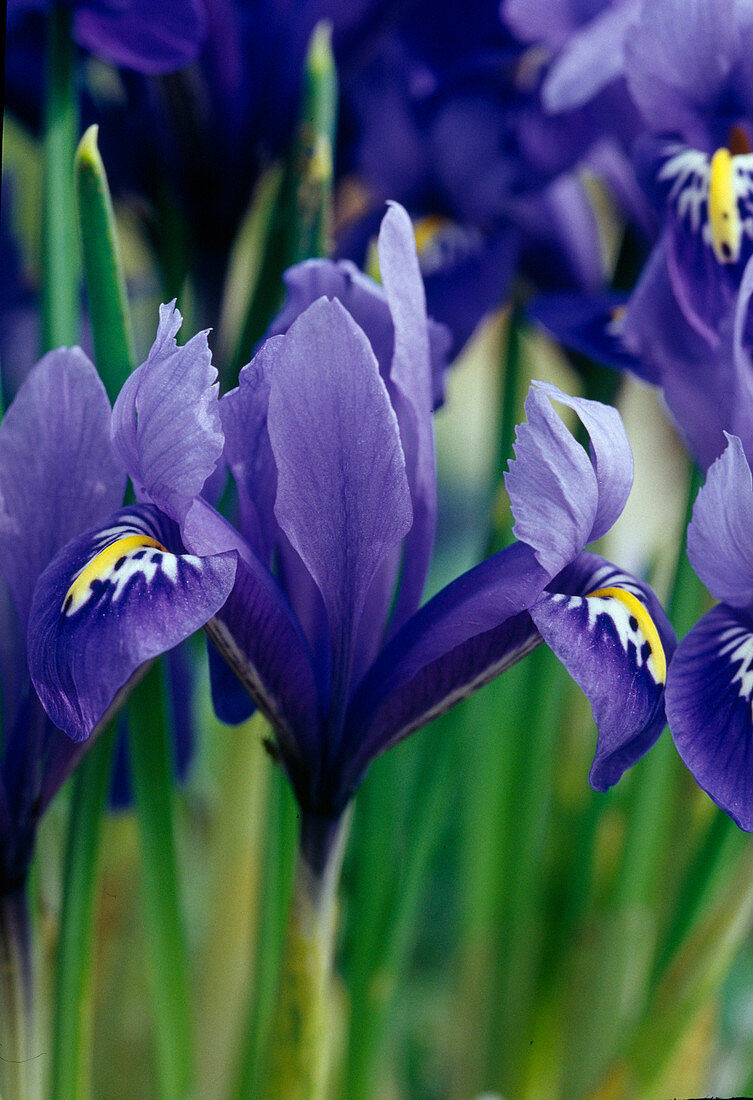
{"points": [[329, 437], [710, 682], [62, 477]]}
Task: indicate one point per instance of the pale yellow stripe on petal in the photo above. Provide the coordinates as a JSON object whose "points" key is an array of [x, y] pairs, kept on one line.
{"points": [[101, 565]]}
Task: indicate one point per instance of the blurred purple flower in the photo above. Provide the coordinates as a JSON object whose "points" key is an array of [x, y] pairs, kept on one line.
{"points": [[148, 36]]}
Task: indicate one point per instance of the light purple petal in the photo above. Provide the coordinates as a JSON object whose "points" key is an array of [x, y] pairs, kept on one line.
{"points": [[552, 486], [105, 606], [58, 474], [709, 698], [720, 534], [243, 413], [591, 59], [611, 456], [342, 492], [166, 422], [411, 376], [616, 647], [466, 635], [677, 58], [150, 36]]}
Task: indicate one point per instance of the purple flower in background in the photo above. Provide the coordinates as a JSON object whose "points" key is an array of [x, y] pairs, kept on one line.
{"points": [[710, 682], [149, 36], [88, 579]]}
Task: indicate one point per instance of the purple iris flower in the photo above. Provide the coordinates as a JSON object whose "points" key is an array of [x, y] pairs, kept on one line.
{"points": [[710, 681], [149, 36], [329, 437], [69, 556]]}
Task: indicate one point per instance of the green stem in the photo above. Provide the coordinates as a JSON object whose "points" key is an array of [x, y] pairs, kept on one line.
{"points": [[152, 770], [299, 1059], [19, 1064], [72, 1022], [60, 307]]}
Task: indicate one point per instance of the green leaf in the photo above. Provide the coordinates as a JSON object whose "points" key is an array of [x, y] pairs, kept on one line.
{"points": [[103, 269]]}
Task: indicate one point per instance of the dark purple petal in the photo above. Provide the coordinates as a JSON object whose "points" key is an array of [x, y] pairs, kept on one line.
{"points": [[113, 599], [342, 492], [58, 474], [613, 637], [232, 703], [411, 377], [590, 325], [166, 422], [150, 36], [720, 534], [709, 698], [466, 635], [243, 413], [261, 640]]}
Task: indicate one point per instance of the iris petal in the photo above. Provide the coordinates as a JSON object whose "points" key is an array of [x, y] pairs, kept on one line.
{"points": [[709, 698], [110, 601], [609, 631]]}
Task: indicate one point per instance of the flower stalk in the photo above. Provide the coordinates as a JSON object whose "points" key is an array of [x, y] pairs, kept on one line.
{"points": [[300, 1048], [18, 1067]]}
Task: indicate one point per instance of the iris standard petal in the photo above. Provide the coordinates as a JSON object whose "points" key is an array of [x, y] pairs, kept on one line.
{"points": [[466, 635], [166, 422], [410, 375], [709, 698], [611, 634], [58, 474], [150, 36], [720, 534], [552, 486], [111, 600], [248, 452], [342, 491], [611, 456]]}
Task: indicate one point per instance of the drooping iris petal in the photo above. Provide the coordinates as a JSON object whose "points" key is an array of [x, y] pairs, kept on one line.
{"points": [[613, 637], [552, 486], [58, 474], [410, 374], [112, 599], [465, 636], [166, 422], [709, 700], [150, 36], [720, 534], [342, 491]]}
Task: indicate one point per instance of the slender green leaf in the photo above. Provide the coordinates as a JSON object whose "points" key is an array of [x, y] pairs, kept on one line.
{"points": [[103, 269], [72, 1020], [152, 770]]}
